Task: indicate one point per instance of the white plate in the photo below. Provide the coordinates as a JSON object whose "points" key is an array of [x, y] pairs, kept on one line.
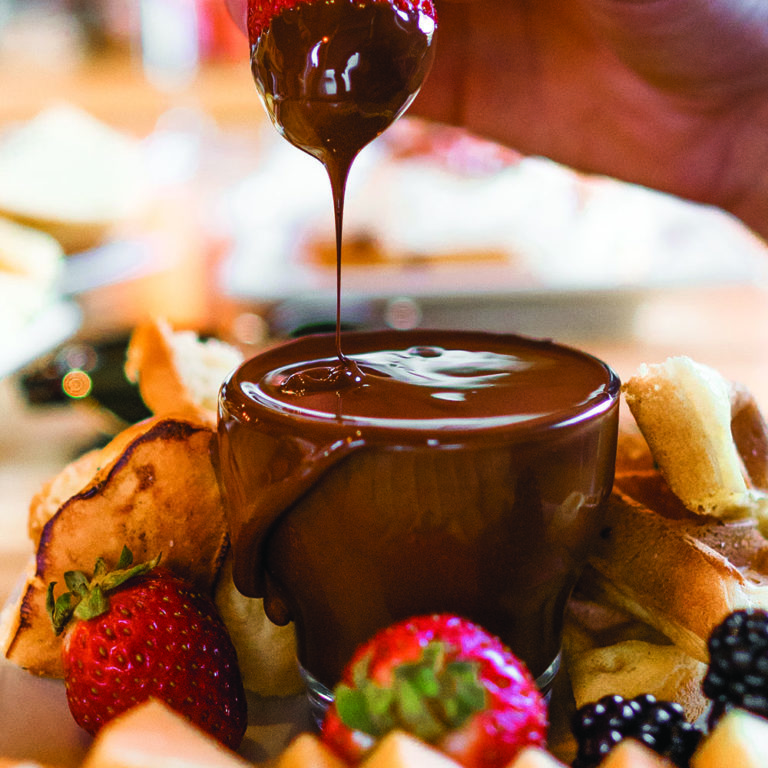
{"points": [[35, 723], [43, 333], [562, 252]]}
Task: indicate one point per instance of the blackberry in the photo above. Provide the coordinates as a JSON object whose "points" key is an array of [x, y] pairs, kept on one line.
{"points": [[737, 675], [660, 725]]}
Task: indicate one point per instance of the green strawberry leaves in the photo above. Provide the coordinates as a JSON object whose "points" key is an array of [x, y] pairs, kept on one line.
{"points": [[88, 598], [427, 697]]}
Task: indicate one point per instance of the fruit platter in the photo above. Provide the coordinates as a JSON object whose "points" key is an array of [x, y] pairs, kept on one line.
{"points": [[644, 682]]}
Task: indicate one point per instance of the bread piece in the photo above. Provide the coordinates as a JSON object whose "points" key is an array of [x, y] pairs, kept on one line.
{"points": [[683, 542], [683, 409], [679, 572], [266, 652], [159, 495], [634, 667], [609, 651], [73, 478], [177, 373], [76, 476], [682, 545]]}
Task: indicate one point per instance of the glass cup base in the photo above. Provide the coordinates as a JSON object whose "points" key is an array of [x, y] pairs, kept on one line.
{"points": [[320, 697]]}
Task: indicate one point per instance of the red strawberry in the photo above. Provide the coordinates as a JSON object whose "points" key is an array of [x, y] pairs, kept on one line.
{"points": [[445, 680], [142, 632], [261, 12]]}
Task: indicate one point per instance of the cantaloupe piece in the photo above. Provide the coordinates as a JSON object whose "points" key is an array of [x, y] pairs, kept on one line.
{"points": [[633, 754], [739, 739], [152, 735], [535, 757], [307, 751], [399, 749]]}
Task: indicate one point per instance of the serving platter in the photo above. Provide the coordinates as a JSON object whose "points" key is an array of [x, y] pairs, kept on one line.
{"points": [[35, 723]]}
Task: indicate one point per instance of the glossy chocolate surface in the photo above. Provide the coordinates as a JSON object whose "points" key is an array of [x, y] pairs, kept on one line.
{"points": [[334, 75]]}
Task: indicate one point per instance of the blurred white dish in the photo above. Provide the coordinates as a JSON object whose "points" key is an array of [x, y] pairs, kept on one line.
{"points": [[52, 326], [69, 174], [479, 242]]}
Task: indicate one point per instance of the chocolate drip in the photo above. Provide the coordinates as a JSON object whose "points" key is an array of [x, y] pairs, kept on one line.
{"points": [[333, 75]]}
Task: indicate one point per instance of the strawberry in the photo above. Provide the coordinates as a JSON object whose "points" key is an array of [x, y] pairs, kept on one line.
{"points": [[138, 632], [446, 681], [261, 12]]}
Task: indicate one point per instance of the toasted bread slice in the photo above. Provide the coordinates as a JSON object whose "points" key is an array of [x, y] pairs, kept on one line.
{"points": [[608, 651], [159, 495], [678, 572], [683, 542]]}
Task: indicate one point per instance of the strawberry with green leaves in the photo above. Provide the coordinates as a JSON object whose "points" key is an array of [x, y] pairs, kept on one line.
{"points": [[445, 680], [138, 632]]}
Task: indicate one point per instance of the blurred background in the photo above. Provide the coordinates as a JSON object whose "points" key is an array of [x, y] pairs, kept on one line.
{"points": [[130, 132], [139, 176]]}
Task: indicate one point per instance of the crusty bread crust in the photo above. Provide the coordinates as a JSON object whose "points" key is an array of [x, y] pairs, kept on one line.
{"points": [[678, 573], [683, 409], [177, 373]]}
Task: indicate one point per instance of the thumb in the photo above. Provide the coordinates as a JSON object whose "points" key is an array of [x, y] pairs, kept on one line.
{"points": [[238, 10]]}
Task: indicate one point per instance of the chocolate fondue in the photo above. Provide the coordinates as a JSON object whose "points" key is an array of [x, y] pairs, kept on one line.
{"points": [[463, 472]]}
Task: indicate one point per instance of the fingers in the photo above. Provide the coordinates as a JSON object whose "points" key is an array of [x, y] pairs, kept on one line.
{"points": [[238, 10]]}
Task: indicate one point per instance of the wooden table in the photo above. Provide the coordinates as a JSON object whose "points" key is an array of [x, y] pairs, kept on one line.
{"points": [[113, 88]]}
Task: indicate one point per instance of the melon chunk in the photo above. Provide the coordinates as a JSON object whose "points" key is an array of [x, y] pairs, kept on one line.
{"points": [[739, 739], [399, 749]]}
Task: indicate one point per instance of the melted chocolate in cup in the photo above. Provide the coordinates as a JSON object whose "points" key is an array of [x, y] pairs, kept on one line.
{"points": [[460, 471]]}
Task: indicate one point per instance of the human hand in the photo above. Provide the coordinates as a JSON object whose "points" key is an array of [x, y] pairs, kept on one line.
{"points": [[671, 94]]}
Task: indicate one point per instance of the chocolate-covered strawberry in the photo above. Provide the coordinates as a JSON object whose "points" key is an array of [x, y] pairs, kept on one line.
{"points": [[445, 680], [138, 632], [261, 12], [334, 74]]}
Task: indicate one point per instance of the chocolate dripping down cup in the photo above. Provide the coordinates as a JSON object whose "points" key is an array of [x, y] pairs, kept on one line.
{"points": [[350, 516]]}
